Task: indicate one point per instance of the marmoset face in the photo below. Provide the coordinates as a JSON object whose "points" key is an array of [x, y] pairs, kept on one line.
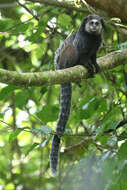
{"points": [[94, 25]]}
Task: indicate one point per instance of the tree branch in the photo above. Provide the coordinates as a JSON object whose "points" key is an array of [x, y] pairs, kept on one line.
{"points": [[7, 5], [28, 10], [119, 9], [72, 74], [60, 4]]}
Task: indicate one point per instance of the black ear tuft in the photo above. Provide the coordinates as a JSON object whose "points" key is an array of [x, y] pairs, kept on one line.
{"points": [[85, 21], [81, 29], [103, 24]]}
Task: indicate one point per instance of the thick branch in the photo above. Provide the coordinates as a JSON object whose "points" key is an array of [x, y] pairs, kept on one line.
{"points": [[72, 74], [114, 8]]}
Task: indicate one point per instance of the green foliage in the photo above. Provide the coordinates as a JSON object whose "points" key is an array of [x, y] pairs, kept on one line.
{"points": [[32, 147], [95, 158], [95, 173], [64, 21], [14, 135], [44, 130], [48, 113], [6, 91]]}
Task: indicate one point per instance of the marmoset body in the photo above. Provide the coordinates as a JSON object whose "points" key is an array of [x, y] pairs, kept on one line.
{"points": [[80, 48]]}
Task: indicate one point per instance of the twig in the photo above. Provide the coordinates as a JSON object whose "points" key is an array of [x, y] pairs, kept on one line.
{"points": [[89, 7], [28, 10], [118, 126], [6, 123], [77, 145]]}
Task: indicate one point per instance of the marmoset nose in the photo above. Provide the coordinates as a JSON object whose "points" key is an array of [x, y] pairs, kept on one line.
{"points": [[93, 27]]}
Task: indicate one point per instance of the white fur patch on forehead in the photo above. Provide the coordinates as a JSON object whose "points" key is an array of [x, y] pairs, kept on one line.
{"points": [[94, 20], [94, 17]]}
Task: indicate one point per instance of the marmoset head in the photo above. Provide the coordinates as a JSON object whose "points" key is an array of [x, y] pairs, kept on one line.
{"points": [[93, 24]]}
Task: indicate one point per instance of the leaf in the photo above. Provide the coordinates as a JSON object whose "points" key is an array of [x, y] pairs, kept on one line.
{"points": [[33, 146], [45, 130], [105, 156], [21, 99], [123, 151], [64, 20], [6, 24], [14, 134], [111, 120], [88, 109], [122, 136], [112, 141], [48, 113], [1, 115], [4, 93], [44, 143], [20, 28], [84, 107], [35, 36], [43, 90]]}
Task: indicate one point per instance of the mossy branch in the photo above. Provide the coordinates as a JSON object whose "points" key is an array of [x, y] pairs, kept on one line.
{"points": [[72, 74]]}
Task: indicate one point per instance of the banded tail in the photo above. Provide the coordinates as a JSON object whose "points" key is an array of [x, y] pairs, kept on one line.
{"points": [[65, 102]]}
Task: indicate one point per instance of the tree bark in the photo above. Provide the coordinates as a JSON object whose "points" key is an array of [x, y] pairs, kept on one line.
{"points": [[113, 8], [72, 74]]}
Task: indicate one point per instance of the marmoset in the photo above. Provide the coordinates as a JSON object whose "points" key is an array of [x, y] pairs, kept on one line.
{"points": [[80, 48]]}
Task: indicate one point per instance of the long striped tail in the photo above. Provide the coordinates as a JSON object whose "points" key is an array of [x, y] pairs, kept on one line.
{"points": [[65, 101]]}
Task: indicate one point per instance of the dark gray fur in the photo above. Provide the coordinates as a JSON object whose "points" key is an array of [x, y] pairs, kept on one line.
{"points": [[78, 49]]}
